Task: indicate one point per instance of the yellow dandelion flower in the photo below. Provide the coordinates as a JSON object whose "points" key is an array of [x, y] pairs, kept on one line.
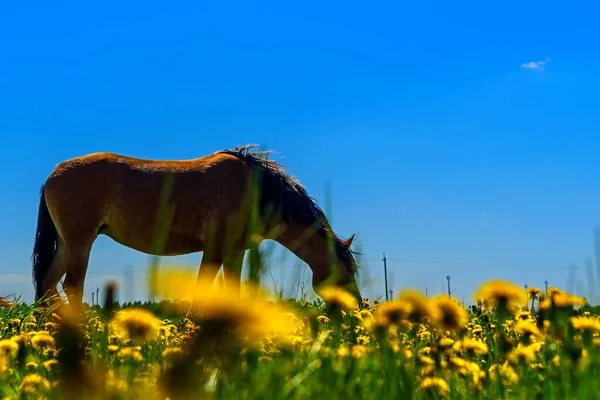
{"points": [[419, 308], [471, 346], [585, 324], [522, 355], [528, 329], [252, 315], [42, 340], [33, 384], [8, 348], [523, 316], [391, 313], [358, 351], [563, 299], [50, 364], [112, 349], [130, 353], [424, 350], [362, 339], [506, 371], [49, 326], [136, 324], [435, 387], [502, 294], [552, 291], [449, 314], [458, 362], [533, 293], [343, 352], [338, 298], [31, 366], [323, 319]]}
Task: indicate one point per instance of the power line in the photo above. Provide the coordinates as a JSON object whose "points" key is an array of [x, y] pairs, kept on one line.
{"points": [[478, 264]]}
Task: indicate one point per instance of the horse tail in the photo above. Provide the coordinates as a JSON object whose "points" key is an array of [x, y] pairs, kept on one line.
{"points": [[45, 244]]}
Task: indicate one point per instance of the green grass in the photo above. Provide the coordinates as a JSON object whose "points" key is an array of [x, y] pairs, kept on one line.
{"points": [[330, 355]]}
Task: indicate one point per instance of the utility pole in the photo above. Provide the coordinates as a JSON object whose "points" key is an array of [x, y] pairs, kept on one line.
{"points": [[385, 273], [391, 294], [93, 298], [546, 283], [97, 295], [425, 291], [449, 291], [129, 287]]}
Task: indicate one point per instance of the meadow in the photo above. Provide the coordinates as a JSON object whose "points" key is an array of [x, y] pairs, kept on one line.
{"points": [[511, 344]]}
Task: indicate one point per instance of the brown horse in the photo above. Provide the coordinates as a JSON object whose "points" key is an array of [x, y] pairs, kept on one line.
{"points": [[5, 303], [220, 204]]}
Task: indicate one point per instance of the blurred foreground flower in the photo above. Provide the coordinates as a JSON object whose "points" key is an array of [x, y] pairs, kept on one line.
{"points": [[503, 295], [137, 324], [338, 298], [449, 313], [251, 314]]}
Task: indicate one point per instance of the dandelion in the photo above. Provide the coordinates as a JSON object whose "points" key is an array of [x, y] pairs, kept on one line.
{"points": [[564, 300], [8, 348], [338, 298], [50, 364], [553, 291], [136, 324], [418, 306], [522, 355], [42, 340], [472, 346], [112, 349], [435, 387], [503, 295], [449, 314], [358, 351], [523, 316], [534, 294], [391, 313], [251, 317], [506, 371], [33, 384], [342, 351], [31, 366], [528, 330], [130, 354], [585, 324]]}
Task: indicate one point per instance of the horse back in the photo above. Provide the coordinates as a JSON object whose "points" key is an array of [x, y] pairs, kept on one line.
{"points": [[121, 196]]}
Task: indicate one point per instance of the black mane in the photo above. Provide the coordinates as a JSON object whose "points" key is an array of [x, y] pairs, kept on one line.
{"points": [[290, 198]]}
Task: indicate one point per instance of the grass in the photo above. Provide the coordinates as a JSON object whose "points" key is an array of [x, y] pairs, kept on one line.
{"points": [[408, 348]]}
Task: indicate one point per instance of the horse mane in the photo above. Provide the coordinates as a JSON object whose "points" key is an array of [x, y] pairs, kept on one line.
{"points": [[290, 198]]}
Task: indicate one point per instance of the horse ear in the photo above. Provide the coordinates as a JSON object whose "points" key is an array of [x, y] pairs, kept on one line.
{"points": [[348, 242]]}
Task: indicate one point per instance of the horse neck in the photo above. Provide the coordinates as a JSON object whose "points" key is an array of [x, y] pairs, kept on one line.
{"points": [[310, 246]]}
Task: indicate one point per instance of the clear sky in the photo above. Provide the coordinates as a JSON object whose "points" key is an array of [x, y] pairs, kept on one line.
{"points": [[461, 136]]}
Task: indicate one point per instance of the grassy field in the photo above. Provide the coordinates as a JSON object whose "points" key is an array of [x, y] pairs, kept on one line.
{"points": [[408, 348]]}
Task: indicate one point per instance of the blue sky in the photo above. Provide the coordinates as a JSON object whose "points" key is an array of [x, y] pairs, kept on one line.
{"points": [[440, 140]]}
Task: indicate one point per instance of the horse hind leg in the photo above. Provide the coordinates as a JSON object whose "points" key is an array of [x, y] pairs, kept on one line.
{"points": [[232, 271], [76, 265], [56, 271]]}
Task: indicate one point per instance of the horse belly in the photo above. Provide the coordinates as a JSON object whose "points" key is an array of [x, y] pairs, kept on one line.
{"points": [[169, 244]]}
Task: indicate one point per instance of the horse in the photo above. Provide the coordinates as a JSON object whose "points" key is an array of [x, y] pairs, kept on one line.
{"points": [[5, 303], [220, 204]]}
